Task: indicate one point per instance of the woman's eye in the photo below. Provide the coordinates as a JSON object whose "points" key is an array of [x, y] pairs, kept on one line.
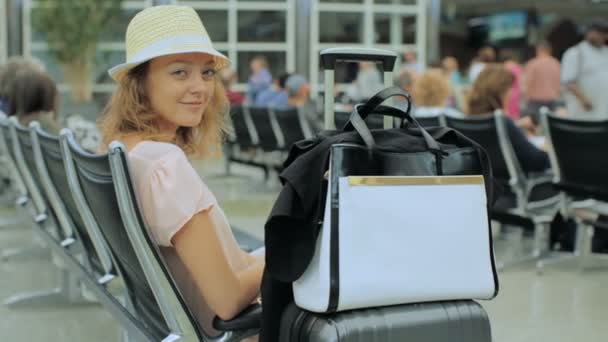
{"points": [[209, 73], [179, 73]]}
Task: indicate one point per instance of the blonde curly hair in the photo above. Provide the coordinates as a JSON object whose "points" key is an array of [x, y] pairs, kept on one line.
{"points": [[129, 112], [432, 89]]}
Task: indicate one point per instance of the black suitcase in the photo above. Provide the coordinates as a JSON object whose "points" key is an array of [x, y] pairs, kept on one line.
{"points": [[455, 321]]}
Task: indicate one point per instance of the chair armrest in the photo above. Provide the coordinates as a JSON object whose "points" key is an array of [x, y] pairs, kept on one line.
{"points": [[249, 318]]}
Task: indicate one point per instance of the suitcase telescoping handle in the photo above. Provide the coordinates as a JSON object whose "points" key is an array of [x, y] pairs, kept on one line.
{"points": [[330, 57]]}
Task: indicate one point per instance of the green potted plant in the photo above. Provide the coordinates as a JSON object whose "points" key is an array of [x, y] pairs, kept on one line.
{"points": [[73, 29]]}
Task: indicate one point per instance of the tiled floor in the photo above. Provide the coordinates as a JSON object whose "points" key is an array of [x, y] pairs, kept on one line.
{"points": [[562, 305]]}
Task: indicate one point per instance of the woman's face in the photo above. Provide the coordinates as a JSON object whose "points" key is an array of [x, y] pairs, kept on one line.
{"points": [[180, 87]]}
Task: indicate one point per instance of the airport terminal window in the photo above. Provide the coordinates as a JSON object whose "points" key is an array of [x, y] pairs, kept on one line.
{"points": [[395, 2], [215, 23], [239, 28], [409, 25], [3, 32], [387, 24], [343, 1], [110, 51], [382, 29], [242, 29], [341, 27], [116, 31], [262, 26]]}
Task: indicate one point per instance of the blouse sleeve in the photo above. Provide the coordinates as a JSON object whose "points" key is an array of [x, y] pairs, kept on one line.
{"points": [[171, 194]]}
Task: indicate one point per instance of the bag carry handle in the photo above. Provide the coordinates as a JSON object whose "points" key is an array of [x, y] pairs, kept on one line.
{"points": [[373, 105]]}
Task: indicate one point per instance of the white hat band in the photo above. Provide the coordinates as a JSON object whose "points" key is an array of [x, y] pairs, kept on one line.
{"points": [[173, 43]]}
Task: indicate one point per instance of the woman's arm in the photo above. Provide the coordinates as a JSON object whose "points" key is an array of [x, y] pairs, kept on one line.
{"points": [[226, 288], [531, 158]]}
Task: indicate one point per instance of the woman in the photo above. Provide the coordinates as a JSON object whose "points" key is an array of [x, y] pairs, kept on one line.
{"points": [[489, 93], [513, 103], [33, 96], [431, 93], [169, 105]]}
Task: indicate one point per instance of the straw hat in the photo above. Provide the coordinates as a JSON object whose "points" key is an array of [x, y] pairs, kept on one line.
{"points": [[165, 30]]}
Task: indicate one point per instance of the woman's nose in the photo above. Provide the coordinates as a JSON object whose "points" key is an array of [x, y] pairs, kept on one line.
{"points": [[198, 84]]}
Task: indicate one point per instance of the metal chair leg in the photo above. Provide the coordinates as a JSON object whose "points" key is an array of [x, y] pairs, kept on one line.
{"points": [[581, 255], [539, 248]]}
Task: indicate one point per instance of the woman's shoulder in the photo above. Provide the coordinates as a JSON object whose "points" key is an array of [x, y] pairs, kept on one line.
{"points": [[153, 154], [155, 150]]}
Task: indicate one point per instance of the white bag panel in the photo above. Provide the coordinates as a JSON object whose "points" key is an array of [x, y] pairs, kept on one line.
{"points": [[311, 290], [412, 243]]}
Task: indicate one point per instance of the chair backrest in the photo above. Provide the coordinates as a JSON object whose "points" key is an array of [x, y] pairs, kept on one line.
{"points": [[490, 131], [244, 131], [291, 124], [51, 168], [6, 149], [266, 127], [578, 154], [28, 175], [171, 303], [91, 184], [483, 130]]}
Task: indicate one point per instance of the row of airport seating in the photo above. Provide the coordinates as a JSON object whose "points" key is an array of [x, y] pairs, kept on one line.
{"points": [[576, 149], [266, 131], [262, 136], [82, 205]]}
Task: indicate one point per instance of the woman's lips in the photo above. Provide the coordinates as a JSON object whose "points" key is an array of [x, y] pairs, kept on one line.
{"points": [[192, 105]]}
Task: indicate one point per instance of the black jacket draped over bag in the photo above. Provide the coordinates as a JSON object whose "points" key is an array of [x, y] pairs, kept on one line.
{"points": [[294, 222]]}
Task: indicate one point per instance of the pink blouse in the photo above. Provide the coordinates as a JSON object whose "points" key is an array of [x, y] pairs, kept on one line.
{"points": [[170, 193]]}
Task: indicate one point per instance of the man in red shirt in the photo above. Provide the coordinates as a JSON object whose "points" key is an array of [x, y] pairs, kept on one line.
{"points": [[541, 80]]}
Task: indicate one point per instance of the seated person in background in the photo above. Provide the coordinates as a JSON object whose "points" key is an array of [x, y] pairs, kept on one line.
{"points": [[166, 108], [367, 83], [298, 90], [7, 75], [275, 96], [228, 77], [260, 78], [489, 92], [431, 93], [33, 96]]}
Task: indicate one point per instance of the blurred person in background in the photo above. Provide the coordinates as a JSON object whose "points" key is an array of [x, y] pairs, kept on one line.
{"points": [[274, 96], [485, 55], [411, 63], [260, 78], [541, 81], [450, 67], [7, 74], [431, 92], [228, 77], [489, 93], [585, 74], [367, 83], [510, 60], [33, 96], [298, 90], [405, 81]]}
